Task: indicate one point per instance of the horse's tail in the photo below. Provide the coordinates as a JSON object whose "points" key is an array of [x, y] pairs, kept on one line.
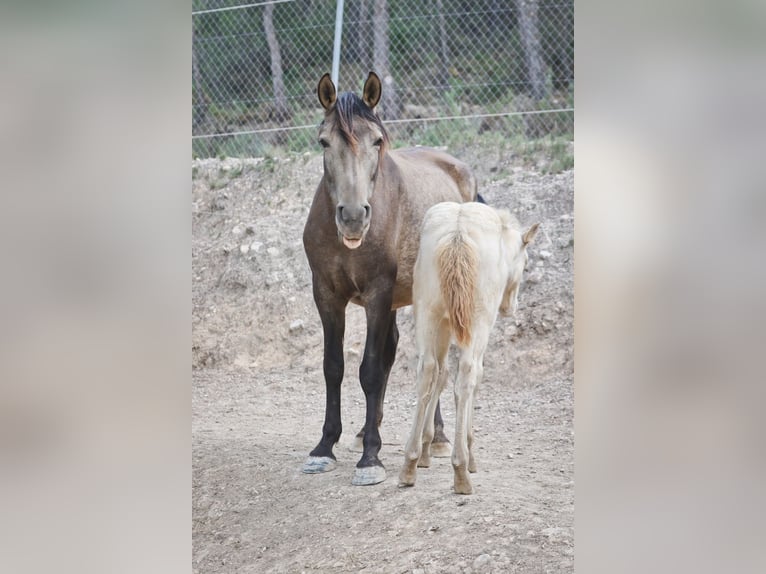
{"points": [[457, 262]]}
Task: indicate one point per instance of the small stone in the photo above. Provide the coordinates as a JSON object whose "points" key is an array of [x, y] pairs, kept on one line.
{"points": [[554, 532], [272, 251], [238, 230], [296, 325], [565, 217], [534, 277], [244, 249], [482, 561], [545, 254], [256, 246], [418, 571]]}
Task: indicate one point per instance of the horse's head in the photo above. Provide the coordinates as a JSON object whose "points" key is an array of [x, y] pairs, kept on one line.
{"points": [[516, 252], [354, 142]]}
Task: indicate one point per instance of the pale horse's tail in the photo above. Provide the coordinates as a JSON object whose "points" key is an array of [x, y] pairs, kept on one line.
{"points": [[457, 262]]}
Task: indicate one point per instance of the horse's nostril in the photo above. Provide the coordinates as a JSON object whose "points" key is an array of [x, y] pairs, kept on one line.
{"points": [[351, 214], [344, 214]]}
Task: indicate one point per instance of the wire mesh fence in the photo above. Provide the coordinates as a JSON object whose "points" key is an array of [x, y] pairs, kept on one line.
{"points": [[454, 71]]}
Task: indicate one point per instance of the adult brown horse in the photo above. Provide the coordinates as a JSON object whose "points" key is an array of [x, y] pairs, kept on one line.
{"points": [[361, 240]]}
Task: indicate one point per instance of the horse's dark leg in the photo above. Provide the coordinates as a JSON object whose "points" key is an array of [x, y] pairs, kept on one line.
{"points": [[333, 314], [389, 355], [440, 446], [379, 354]]}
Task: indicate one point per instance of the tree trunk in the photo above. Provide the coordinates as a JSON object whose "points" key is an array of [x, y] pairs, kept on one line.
{"points": [[388, 109], [529, 31], [362, 37], [200, 98], [443, 79], [281, 111]]}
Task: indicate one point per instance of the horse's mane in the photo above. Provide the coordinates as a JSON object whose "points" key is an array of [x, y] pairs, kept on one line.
{"points": [[349, 105], [509, 220]]}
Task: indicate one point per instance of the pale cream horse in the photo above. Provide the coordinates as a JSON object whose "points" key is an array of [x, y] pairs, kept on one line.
{"points": [[469, 267]]}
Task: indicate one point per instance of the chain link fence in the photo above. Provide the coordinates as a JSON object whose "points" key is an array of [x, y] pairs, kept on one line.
{"points": [[454, 71]]}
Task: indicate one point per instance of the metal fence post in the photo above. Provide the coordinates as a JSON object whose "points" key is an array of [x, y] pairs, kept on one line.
{"points": [[336, 43]]}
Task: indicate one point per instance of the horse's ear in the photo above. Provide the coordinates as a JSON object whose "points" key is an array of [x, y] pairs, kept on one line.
{"points": [[326, 92], [529, 234], [372, 90]]}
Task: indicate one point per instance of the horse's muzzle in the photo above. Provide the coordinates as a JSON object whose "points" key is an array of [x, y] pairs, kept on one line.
{"points": [[353, 223]]}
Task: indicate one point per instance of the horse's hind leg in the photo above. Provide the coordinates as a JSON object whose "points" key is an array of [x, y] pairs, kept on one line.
{"points": [[440, 445], [428, 371], [390, 354], [479, 377], [464, 385], [442, 340], [469, 373]]}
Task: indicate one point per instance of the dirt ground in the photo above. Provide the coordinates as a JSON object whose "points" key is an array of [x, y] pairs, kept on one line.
{"points": [[258, 396]]}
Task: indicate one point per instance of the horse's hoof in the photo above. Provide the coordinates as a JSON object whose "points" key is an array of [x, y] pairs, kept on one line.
{"points": [[317, 464], [462, 484], [441, 449], [463, 489], [405, 479], [368, 475], [357, 445]]}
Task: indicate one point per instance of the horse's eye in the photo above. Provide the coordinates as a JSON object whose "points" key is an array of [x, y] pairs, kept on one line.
{"points": [[324, 143], [378, 142]]}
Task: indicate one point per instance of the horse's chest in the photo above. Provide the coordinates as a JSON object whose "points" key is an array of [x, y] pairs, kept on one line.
{"points": [[362, 278]]}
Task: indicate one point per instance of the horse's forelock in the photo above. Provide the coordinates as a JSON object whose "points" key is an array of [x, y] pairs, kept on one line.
{"points": [[349, 105]]}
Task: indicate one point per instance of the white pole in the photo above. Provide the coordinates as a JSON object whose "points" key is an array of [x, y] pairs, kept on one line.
{"points": [[336, 44]]}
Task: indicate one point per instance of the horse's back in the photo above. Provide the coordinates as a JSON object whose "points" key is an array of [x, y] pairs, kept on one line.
{"points": [[429, 165]]}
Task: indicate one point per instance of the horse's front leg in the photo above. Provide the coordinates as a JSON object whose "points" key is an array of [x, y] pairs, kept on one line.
{"points": [[379, 355], [332, 311], [440, 446], [390, 352]]}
